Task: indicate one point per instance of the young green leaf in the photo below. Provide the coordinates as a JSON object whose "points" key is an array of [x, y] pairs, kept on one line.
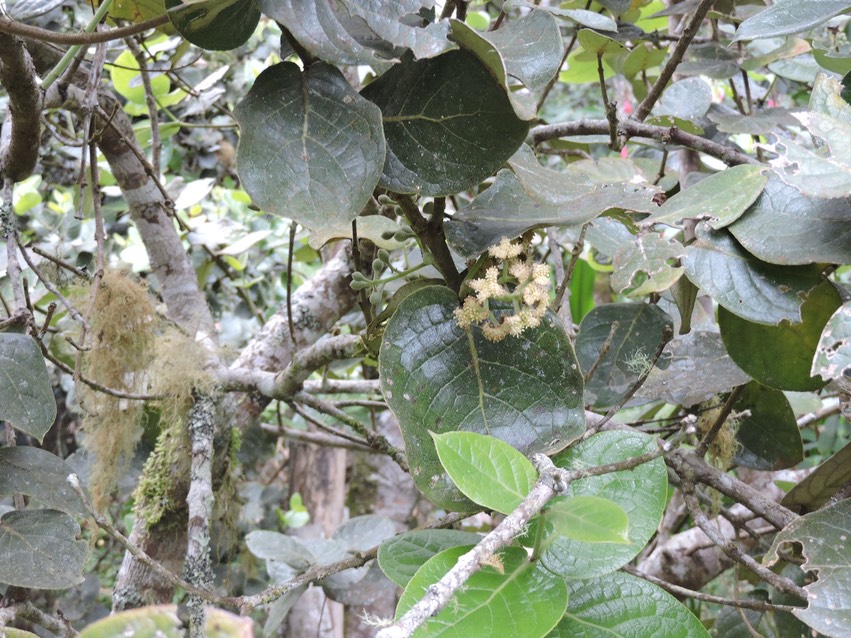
{"points": [[590, 519]]}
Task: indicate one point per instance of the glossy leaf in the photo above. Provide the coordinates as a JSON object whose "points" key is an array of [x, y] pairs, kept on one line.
{"points": [[768, 438], [488, 471], [786, 227], [824, 537], [634, 339], [795, 16], [448, 124], [781, 356], [310, 149], [436, 377], [352, 32], [552, 188], [590, 519], [745, 286], [26, 396], [833, 353], [619, 606], [41, 549], [400, 557], [685, 380], [217, 25], [40, 475], [162, 621], [820, 485], [720, 199], [516, 597], [650, 264], [640, 492]]}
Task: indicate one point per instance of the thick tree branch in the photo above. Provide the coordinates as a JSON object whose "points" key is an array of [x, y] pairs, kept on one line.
{"points": [[13, 27], [19, 153], [631, 128]]}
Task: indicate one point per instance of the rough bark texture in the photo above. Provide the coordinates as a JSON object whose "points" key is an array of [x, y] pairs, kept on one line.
{"points": [[19, 152]]}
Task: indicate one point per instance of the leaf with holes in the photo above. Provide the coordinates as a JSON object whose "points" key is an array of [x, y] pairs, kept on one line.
{"points": [[310, 149], [825, 539], [437, 377], [748, 287], [511, 596], [650, 264], [26, 397], [833, 353], [448, 123], [623, 337]]}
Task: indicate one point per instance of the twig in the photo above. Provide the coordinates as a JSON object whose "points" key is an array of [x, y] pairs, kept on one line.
{"points": [[713, 431], [150, 101], [554, 79], [631, 128], [9, 231], [342, 386], [353, 440], [290, 320], [732, 550], [604, 349], [834, 407], [27, 611], [316, 438], [432, 238], [571, 266], [17, 75], [676, 590], [611, 110], [683, 43], [59, 262], [14, 27]]}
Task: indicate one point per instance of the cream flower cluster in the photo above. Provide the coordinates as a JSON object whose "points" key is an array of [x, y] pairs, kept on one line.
{"points": [[513, 280]]}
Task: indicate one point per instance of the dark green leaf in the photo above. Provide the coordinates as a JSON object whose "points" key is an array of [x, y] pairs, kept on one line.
{"points": [[436, 377], [793, 16], [711, 60], [590, 519], [41, 549], [650, 264], [40, 475], [819, 486], [786, 227], [619, 605], [516, 598], [617, 6], [824, 537], [448, 123], [747, 287], [634, 339], [769, 438], [740, 623], [833, 354], [352, 32], [781, 356], [640, 492], [217, 25], [400, 557], [488, 471], [720, 199], [684, 381], [26, 397], [310, 149], [552, 188]]}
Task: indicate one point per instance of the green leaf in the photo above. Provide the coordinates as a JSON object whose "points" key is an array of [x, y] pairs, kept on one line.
{"points": [[650, 264], [40, 475], [769, 438], [833, 353], [448, 124], [310, 149], [597, 43], [781, 356], [787, 227], [162, 621], [824, 481], [401, 556], [720, 199], [684, 381], [127, 79], [26, 396], [436, 377], [633, 341], [824, 537], [507, 210], [687, 99], [41, 549], [641, 493], [362, 533], [641, 58], [590, 519], [758, 123], [217, 25], [282, 548], [711, 60], [516, 597], [372, 228], [789, 16], [745, 286], [579, 192], [624, 606], [582, 290], [488, 471], [353, 32]]}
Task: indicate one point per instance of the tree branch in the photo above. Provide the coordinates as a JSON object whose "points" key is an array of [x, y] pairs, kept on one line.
{"points": [[13, 27], [19, 155]]}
